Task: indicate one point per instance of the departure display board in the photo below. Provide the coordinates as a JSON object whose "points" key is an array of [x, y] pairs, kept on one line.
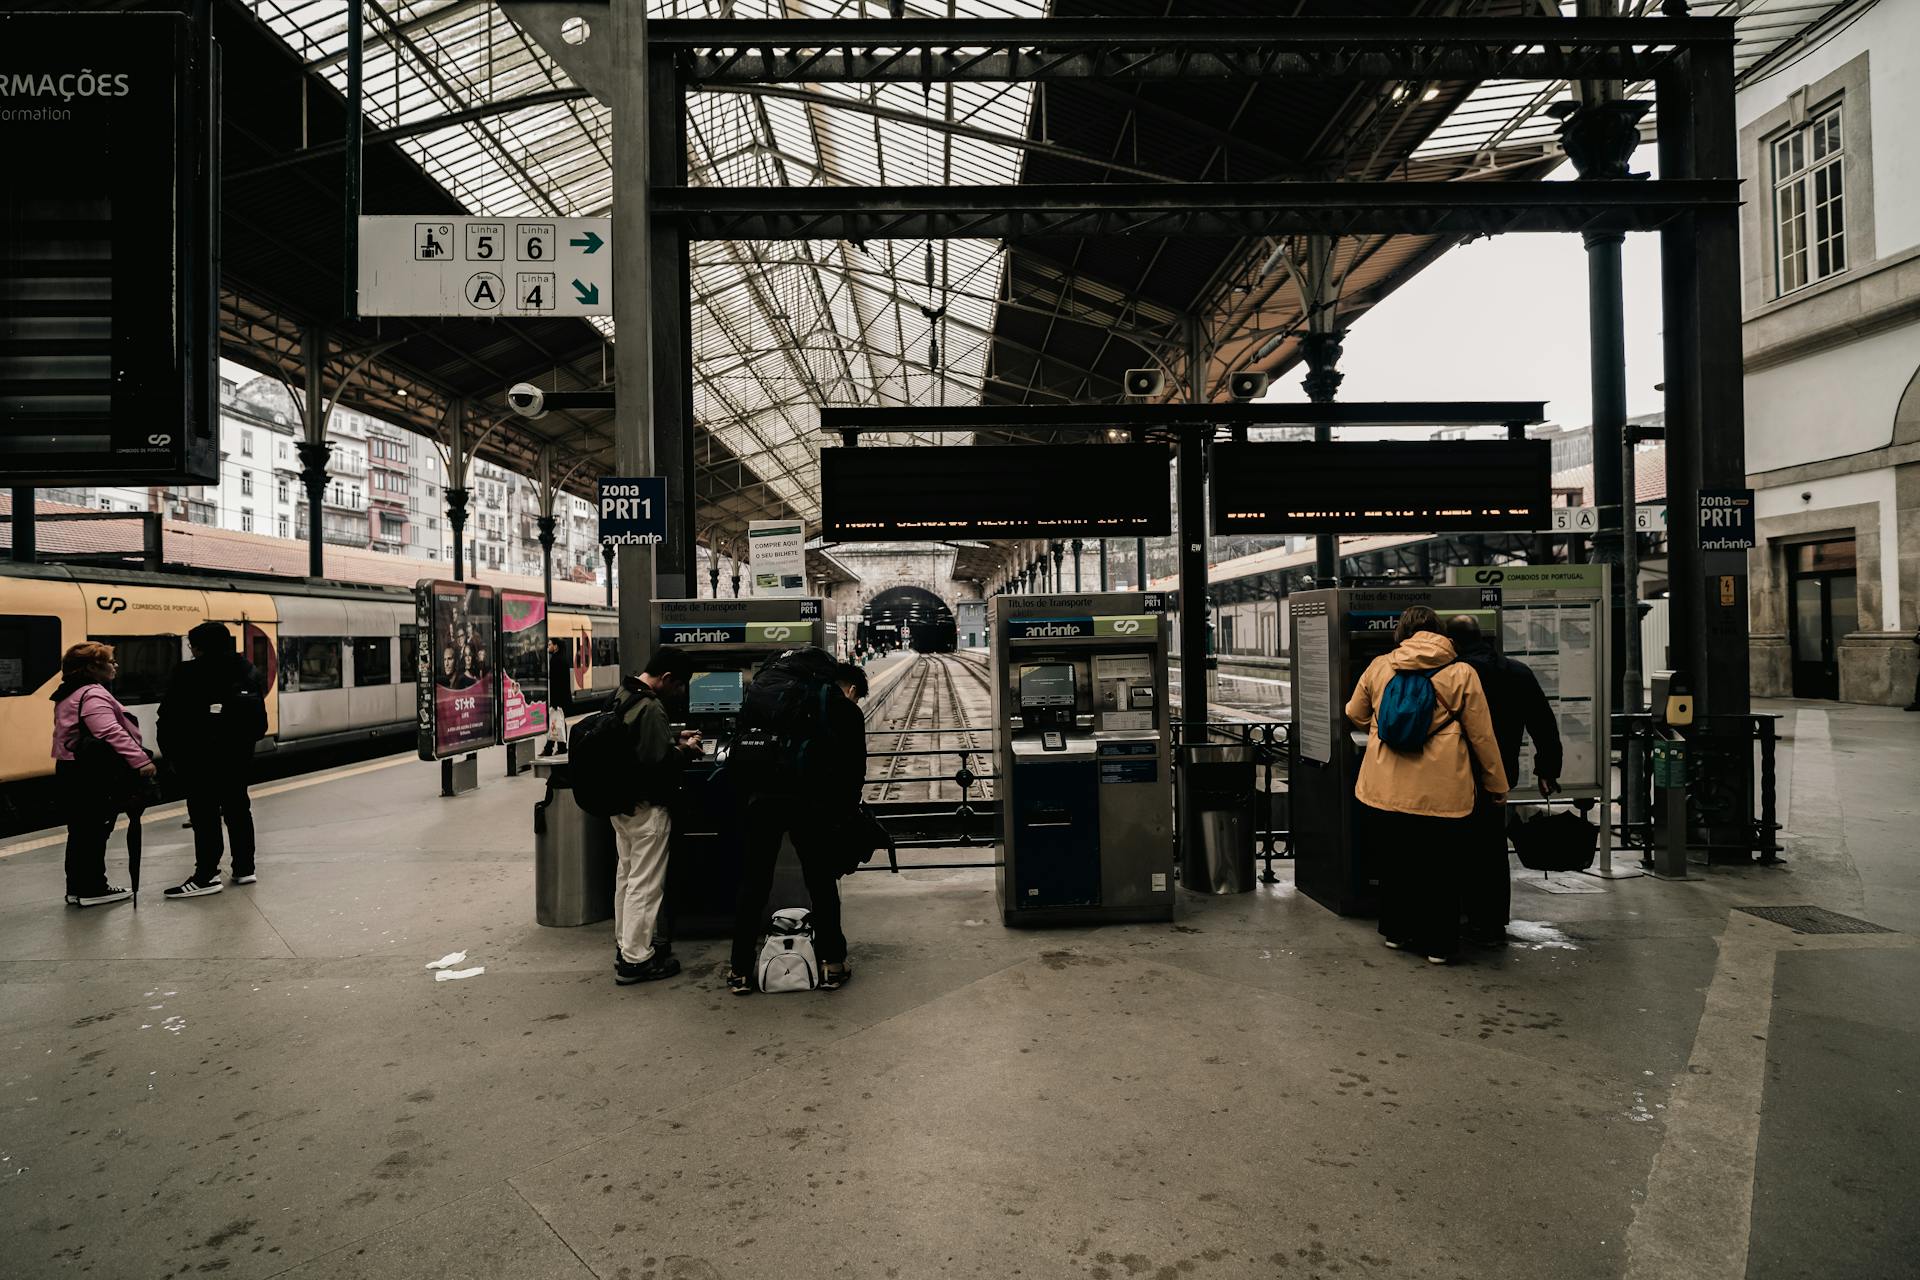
{"points": [[1381, 486], [107, 357], [995, 491]]}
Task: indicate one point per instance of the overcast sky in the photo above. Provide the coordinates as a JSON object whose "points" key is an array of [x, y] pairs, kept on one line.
{"points": [[1502, 319]]}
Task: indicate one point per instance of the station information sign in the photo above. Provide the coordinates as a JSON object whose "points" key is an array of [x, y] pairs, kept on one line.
{"points": [[633, 511], [1726, 520], [107, 210], [445, 266], [1382, 486], [938, 492]]}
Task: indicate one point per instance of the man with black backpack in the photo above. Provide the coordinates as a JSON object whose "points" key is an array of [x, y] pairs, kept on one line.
{"points": [[802, 712], [214, 710], [624, 765]]}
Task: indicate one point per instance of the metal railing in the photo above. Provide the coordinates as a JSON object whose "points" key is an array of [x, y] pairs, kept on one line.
{"points": [[1726, 784]]}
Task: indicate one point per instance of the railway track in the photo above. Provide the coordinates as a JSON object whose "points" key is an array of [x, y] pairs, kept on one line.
{"points": [[917, 736]]}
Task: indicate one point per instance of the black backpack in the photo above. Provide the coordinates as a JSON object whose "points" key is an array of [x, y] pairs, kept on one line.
{"points": [[782, 725], [606, 779]]}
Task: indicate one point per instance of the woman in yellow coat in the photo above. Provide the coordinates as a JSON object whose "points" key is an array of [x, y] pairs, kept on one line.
{"points": [[1420, 796]]}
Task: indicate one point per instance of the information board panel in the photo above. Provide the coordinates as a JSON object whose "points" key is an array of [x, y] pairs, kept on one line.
{"points": [[995, 491], [1381, 486], [459, 675], [777, 557], [107, 211], [525, 700]]}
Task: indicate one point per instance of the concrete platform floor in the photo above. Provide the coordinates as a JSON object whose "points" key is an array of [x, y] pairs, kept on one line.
{"points": [[270, 1082]]}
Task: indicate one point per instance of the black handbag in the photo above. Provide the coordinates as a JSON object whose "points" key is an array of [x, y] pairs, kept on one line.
{"points": [[858, 836], [1552, 839], [108, 772]]}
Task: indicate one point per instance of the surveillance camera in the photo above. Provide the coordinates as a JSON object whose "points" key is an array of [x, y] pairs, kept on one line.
{"points": [[527, 400], [1145, 382], [1247, 386]]}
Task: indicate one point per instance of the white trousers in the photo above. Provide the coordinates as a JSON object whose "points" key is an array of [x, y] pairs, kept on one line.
{"points": [[639, 878]]}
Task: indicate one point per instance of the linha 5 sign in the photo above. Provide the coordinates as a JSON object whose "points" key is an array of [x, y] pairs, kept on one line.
{"points": [[633, 511]]}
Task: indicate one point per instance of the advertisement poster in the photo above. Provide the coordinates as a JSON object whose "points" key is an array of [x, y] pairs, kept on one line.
{"points": [[524, 698], [459, 705], [777, 556]]}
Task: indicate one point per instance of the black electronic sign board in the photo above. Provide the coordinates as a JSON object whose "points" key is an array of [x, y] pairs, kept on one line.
{"points": [[1381, 486], [939, 492], [108, 362]]}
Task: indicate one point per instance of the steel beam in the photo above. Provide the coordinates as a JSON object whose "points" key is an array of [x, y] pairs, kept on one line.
{"points": [[1227, 209], [1100, 417], [917, 51]]}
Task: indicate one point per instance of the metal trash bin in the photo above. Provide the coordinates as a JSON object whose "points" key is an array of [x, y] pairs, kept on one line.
{"points": [[573, 855], [1218, 817]]}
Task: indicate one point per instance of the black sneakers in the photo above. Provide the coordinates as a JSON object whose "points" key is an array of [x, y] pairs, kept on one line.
{"points": [[193, 889], [107, 894], [661, 964]]}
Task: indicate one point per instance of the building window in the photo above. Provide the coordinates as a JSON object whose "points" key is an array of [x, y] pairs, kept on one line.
{"points": [[283, 526], [246, 444], [246, 484], [246, 519], [1809, 207], [283, 489]]}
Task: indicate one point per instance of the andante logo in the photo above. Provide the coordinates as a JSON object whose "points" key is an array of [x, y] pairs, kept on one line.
{"points": [[700, 635], [1053, 629]]}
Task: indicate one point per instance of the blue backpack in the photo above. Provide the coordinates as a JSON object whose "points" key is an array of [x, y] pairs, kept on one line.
{"points": [[1404, 720]]}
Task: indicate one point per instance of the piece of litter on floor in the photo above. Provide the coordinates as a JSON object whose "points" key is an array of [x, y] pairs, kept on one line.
{"points": [[448, 961], [448, 975], [1538, 934]]}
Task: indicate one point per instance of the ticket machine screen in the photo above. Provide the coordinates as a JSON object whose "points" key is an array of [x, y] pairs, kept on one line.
{"points": [[1047, 685], [715, 693]]}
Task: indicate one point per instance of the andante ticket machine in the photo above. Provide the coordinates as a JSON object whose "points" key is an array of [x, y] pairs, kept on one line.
{"points": [[1335, 634], [1085, 783], [728, 640]]}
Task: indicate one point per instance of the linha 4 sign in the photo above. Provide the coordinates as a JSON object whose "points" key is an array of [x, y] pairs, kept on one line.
{"points": [[633, 511]]}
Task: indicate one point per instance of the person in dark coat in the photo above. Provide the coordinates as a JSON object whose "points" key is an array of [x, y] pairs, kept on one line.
{"points": [[1518, 706], [215, 709], [813, 820]]}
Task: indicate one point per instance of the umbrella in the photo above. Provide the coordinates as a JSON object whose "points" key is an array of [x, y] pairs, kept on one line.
{"points": [[134, 810]]}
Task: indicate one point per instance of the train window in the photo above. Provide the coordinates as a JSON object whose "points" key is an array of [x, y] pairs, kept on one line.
{"points": [[309, 664], [29, 652], [146, 666], [606, 651], [409, 652], [262, 656], [372, 661]]}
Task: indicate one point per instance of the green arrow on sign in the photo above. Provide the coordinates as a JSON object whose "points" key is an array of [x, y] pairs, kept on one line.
{"points": [[591, 242], [589, 293]]}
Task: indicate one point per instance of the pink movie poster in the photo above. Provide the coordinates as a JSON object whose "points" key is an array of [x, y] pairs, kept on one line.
{"points": [[463, 625], [523, 664]]}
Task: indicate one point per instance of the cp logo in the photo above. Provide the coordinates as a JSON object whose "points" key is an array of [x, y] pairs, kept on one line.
{"points": [[1489, 577], [1126, 626], [779, 633], [112, 604]]}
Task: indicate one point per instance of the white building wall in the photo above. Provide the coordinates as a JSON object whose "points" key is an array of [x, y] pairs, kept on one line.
{"points": [[1846, 491], [1838, 402]]}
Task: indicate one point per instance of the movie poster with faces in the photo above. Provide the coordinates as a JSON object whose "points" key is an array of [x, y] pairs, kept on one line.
{"points": [[524, 698], [459, 666]]}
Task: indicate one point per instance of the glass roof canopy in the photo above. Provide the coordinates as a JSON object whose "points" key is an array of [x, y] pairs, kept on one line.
{"points": [[781, 328], [778, 329]]}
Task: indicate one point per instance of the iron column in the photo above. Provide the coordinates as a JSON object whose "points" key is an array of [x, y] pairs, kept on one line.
{"points": [[634, 255], [1190, 470]]}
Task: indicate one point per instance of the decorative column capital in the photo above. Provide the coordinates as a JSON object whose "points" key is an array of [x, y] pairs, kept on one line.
{"points": [[1601, 137], [1322, 354]]}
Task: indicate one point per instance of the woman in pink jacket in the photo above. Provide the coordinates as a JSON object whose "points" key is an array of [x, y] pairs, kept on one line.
{"points": [[83, 706]]}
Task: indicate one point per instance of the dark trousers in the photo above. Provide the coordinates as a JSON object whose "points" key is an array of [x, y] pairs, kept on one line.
{"points": [[210, 801], [1421, 864], [767, 820], [1487, 883], [89, 825]]}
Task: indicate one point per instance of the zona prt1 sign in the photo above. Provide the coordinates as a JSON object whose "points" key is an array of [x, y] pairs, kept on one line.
{"points": [[1726, 520], [633, 511]]}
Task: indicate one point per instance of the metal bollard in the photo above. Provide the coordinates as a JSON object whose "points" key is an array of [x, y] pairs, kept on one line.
{"points": [[1670, 791]]}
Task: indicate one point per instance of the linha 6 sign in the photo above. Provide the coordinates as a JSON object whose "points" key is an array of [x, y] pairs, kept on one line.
{"points": [[633, 511]]}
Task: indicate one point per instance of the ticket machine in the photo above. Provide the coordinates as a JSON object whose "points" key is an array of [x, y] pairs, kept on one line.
{"points": [[1335, 634], [728, 640], [1081, 730]]}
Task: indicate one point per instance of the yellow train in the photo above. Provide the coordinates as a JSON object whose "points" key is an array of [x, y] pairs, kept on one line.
{"points": [[337, 657]]}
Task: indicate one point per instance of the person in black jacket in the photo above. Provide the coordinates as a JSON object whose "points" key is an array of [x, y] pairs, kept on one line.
{"points": [[831, 798], [1517, 705], [214, 711]]}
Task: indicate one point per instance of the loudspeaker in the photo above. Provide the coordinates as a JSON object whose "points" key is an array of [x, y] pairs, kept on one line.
{"points": [[1247, 386], [1145, 382]]}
